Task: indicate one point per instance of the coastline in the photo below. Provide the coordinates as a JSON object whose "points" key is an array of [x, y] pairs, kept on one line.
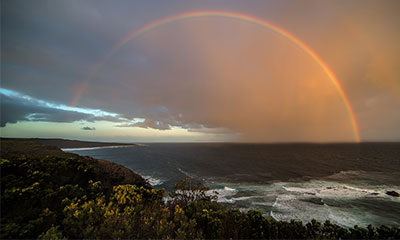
{"points": [[94, 148], [114, 174], [67, 143]]}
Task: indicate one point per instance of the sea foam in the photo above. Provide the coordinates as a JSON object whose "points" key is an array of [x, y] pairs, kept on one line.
{"points": [[152, 180], [94, 148]]}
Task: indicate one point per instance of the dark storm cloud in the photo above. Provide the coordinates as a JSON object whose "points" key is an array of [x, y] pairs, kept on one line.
{"points": [[14, 110], [88, 128]]}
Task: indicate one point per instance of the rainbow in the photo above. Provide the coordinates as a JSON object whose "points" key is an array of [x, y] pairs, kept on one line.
{"points": [[161, 22]]}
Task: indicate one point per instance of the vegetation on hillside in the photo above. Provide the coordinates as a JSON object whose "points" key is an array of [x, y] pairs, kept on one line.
{"points": [[62, 195], [65, 143]]}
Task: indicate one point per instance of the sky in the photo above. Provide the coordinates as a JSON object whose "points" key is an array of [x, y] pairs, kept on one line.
{"points": [[201, 71]]}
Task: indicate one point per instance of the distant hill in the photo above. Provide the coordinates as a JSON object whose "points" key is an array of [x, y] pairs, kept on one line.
{"points": [[66, 143]]}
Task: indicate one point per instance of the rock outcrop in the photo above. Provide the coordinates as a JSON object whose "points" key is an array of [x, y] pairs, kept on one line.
{"points": [[393, 193]]}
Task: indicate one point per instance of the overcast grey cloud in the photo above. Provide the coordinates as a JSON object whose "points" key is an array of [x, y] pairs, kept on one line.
{"points": [[89, 128], [148, 123]]}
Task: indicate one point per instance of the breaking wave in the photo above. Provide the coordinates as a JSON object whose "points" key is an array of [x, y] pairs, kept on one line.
{"points": [[94, 148], [223, 194], [153, 181], [343, 204], [187, 174]]}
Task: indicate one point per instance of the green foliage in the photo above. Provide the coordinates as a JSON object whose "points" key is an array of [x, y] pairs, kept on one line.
{"points": [[59, 197], [32, 190], [52, 233], [128, 211], [188, 191]]}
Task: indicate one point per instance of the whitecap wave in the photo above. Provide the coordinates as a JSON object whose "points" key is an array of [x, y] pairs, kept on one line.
{"points": [[288, 206], [93, 148], [348, 173], [327, 200], [326, 189], [342, 204], [246, 198], [187, 174], [227, 195], [223, 194], [142, 145], [153, 181]]}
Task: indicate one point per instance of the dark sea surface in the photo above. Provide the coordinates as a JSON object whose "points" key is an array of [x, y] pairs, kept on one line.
{"points": [[345, 183]]}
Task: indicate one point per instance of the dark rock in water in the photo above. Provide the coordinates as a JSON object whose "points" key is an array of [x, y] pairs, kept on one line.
{"points": [[317, 201], [393, 193]]}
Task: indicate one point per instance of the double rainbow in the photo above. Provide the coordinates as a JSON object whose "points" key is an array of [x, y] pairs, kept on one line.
{"points": [[232, 15]]}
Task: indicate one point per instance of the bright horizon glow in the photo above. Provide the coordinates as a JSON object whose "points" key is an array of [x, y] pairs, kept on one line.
{"points": [[161, 22]]}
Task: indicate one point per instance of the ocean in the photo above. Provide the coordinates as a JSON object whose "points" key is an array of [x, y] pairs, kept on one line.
{"points": [[343, 183]]}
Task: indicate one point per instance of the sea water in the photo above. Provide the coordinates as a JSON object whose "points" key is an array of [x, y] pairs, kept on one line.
{"points": [[343, 183]]}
